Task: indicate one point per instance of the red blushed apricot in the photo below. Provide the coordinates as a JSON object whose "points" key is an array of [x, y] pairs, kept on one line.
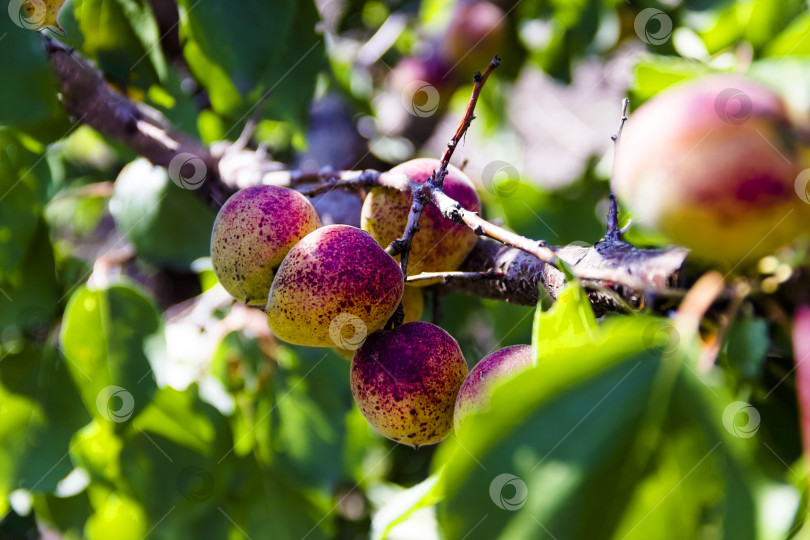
{"points": [[253, 232], [500, 365], [440, 244], [334, 288], [476, 33], [405, 382], [713, 164]]}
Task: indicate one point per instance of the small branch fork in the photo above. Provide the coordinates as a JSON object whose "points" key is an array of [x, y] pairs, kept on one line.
{"points": [[424, 194]]}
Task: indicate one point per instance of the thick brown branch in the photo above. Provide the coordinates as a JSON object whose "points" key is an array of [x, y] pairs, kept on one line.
{"points": [[90, 100], [522, 274]]}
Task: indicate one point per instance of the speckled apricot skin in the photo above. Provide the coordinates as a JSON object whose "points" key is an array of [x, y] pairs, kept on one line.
{"points": [[253, 232], [724, 189], [413, 302], [405, 382], [337, 270], [502, 364], [440, 245]]}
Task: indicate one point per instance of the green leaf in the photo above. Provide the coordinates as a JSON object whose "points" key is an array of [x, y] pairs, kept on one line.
{"points": [[167, 224], [65, 514], [307, 421], [29, 293], [290, 412], [657, 73], [24, 179], [578, 446], [241, 52], [117, 516], [28, 99], [39, 411], [173, 461], [790, 77], [563, 429], [122, 36], [748, 341], [105, 336], [293, 514], [181, 418], [793, 40], [569, 323]]}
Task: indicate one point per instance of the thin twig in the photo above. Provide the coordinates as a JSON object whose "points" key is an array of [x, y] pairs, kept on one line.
{"points": [[614, 232], [446, 277], [437, 178], [422, 194]]}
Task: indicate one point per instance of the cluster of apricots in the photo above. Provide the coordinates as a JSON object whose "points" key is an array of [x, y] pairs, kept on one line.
{"points": [[716, 177]]}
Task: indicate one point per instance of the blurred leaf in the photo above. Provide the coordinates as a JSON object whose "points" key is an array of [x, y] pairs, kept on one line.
{"points": [[790, 77], [285, 507], [39, 411], [24, 180], [768, 18], [793, 40], [167, 224], [559, 217], [569, 323], [105, 335], [28, 99], [747, 343], [181, 418], [172, 461], [572, 29], [123, 38], [96, 449], [401, 506], [239, 53], [29, 293], [657, 73], [565, 445], [583, 408], [310, 400], [66, 514], [118, 517]]}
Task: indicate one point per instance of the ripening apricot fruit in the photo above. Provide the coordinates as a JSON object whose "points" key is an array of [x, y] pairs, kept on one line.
{"points": [[440, 244], [252, 234], [713, 164], [476, 33], [335, 286], [405, 382], [500, 365]]}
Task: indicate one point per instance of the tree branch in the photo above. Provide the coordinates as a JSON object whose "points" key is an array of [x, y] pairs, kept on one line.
{"points": [[90, 100], [424, 194], [522, 265]]}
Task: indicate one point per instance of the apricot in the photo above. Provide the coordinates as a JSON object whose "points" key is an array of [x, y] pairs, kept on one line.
{"points": [[253, 232], [334, 287], [440, 244], [474, 393], [475, 34], [405, 382], [712, 164]]}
